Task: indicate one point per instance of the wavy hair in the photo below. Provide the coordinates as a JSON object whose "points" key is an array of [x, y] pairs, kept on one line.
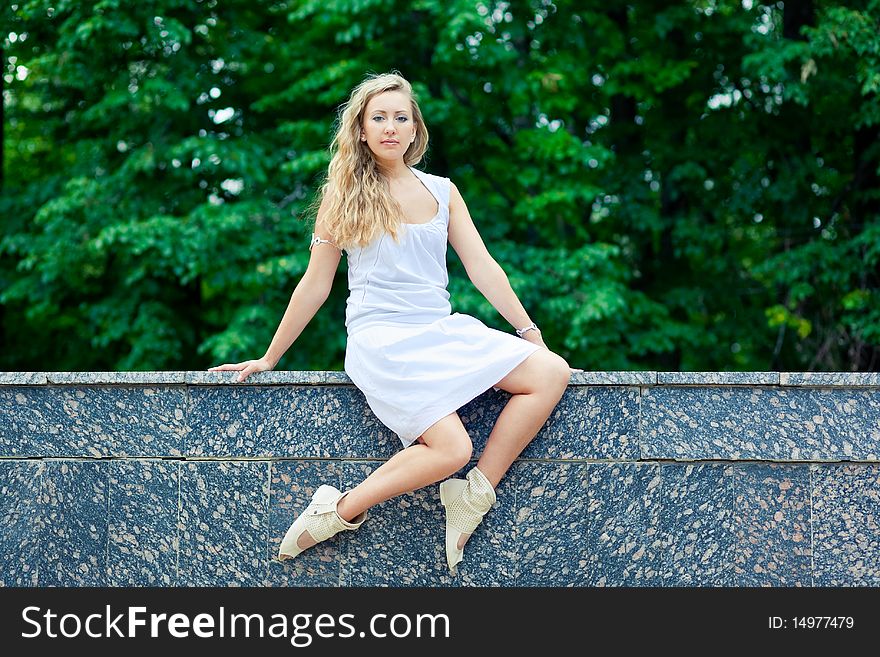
{"points": [[360, 206]]}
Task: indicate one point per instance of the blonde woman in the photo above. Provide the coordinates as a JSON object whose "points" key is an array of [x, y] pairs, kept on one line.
{"points": [[414, 360]]}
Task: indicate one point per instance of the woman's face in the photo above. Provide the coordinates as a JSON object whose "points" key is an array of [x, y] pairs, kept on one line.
{"points": [[388, 127]]}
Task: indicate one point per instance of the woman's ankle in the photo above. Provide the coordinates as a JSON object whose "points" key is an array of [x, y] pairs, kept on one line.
{"points": [[344, 509]]}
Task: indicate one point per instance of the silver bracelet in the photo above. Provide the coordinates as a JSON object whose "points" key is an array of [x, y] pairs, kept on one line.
{"points": [[317, 240], [531, 326]]}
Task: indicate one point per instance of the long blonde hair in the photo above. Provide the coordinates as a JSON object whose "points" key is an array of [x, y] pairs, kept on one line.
{"points": [[360, 206]]}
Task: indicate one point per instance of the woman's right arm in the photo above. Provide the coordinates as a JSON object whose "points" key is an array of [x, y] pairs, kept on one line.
{"points": [[307, 298], [309, 295]]}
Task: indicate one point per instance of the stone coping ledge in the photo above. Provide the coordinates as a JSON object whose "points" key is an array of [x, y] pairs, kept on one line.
{"points": [[342, 460], [332, 377]]}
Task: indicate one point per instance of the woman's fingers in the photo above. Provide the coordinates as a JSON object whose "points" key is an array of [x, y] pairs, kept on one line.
{"points": [[246, 368]]}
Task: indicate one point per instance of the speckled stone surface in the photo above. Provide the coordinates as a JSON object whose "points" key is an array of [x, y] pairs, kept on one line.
{"points": [[598, 422], [552, 523], [624, 543], [621, 378], [317, 377], [20, 521], [143, 534], [846, 524], [292, 486], [336, 377], [773, 525], [74, 507], [115, 378], [22, 378], [697, 529], [837, 379], [774, 424], [92, 523], [707, 479], [224, 510], [590, 423], [24, 429], [717, 378], [282, 422], [86, 421]]}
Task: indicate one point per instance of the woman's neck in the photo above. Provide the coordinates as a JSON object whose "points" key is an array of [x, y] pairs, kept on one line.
{"points": [[397, 172]]}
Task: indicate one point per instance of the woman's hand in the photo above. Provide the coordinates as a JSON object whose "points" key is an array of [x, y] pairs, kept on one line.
{"points": [[535, 338], [247, 368]]}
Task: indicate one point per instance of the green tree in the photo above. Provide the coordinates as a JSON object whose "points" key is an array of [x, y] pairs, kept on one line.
{"points": [[688, 185]]}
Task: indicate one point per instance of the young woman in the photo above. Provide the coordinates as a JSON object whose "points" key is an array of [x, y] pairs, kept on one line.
{"points": [[415, 361]]}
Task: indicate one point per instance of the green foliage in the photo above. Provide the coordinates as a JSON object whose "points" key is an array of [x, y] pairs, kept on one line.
{"points": [[688, 185]]}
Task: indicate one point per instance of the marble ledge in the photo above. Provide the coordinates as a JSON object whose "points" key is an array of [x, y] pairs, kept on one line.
{"points": [[830, 379], [718, 378], [335, 377]]}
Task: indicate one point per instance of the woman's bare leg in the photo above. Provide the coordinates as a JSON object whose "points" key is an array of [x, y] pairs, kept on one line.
{"points": [[537, 385], [443, 449], [447, 448]]}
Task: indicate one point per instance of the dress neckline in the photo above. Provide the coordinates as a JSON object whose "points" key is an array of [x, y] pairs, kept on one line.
{"points": [[416, 173]]}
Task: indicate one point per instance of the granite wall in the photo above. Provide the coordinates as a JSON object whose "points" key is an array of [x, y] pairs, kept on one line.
{"points": [[637, 479]]}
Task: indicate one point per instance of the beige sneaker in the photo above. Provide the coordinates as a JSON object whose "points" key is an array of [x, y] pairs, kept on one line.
{"points": [[320, 520], [466, 502]]}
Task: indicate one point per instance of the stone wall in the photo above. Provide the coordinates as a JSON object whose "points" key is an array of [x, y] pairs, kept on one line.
{"points": [[637, 479]]}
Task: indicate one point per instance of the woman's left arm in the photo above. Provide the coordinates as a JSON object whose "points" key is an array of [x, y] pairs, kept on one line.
{"points": [[484, 271]]}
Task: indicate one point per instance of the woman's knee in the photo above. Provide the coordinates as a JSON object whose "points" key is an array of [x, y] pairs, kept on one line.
{"points": [[451, 440], [460, 453], [455, 448], [552, 376], [559, 371], [541, 372]]}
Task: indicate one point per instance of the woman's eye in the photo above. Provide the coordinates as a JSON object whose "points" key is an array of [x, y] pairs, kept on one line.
{"points": [[402, 117]]}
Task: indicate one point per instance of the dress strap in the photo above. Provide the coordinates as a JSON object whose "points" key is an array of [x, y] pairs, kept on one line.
{"points": [[318, 240], [444, 187], [439, 187]]}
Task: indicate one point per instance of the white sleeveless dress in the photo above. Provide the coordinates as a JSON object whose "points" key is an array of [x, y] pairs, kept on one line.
{"points": [[414, 360]]}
